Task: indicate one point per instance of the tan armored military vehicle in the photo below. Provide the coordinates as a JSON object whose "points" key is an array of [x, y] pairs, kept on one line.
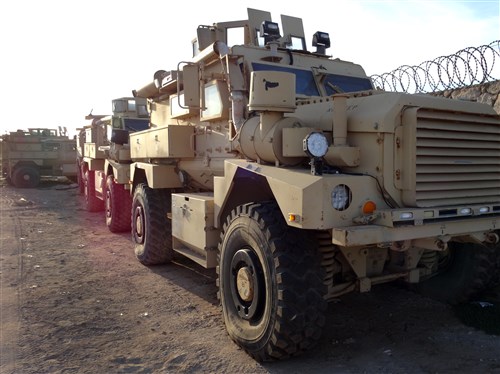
{"points": [[29, 155], [104, 158], [290, 174]]}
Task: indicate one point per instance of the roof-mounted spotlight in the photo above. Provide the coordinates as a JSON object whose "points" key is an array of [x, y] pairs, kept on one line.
{"points": [[321, 40], [270, 31]]}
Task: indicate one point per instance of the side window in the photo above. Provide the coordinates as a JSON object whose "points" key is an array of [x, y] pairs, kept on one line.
{"points": [[216, 108]]}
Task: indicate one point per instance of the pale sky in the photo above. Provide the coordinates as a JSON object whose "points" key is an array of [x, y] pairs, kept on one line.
{"points": [[62, 58]]}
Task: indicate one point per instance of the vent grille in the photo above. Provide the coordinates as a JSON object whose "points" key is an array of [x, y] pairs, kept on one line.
{"points": [[457, 158]]}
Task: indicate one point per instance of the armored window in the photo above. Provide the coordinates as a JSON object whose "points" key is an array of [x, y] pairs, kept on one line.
{"points": [[142, 111], [119, 106], [131, 106], [215, 107], [135, 124], [334, 84], [304, 79]]}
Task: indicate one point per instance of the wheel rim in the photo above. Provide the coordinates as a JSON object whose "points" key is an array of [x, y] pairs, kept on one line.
{"points": [[139, 225], [108, 203], [86, 191], [247, 285]]}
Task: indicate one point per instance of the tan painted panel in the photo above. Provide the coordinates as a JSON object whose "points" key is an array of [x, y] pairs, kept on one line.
{"points": [[121, 172], [292, 147], [158, 176], [173, 141], [95, 164], [307, 197], [374, 234], [193, 221], [69, 169], [92, 150]]}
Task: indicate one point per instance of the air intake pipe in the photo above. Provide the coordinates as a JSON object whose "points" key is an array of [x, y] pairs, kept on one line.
{"points": [[272, 94]]}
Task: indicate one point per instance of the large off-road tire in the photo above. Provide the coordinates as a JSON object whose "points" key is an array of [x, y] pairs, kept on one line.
{"points": [[495, 276], [151, 229], [466, 272], [270, 283], [26, 177], [92, 202], [118, 205], [72, 178], [80, 180]]}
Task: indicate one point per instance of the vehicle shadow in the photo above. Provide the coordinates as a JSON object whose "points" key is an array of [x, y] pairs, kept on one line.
{"points": [[190, 276]]}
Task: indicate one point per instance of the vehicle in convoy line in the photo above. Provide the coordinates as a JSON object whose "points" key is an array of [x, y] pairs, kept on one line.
{"points": [[103, 160], [290, 174], [29, 155]]}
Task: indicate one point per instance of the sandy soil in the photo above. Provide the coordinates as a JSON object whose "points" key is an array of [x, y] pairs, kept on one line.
{"points": [[75, 300]]}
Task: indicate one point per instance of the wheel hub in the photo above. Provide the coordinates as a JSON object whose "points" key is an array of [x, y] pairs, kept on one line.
{"points": [[247, 284], [108, 204], [139, 226], [244, 284]]}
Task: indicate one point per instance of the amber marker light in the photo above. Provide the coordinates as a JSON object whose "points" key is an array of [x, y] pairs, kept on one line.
{"points": [[369, 207]]}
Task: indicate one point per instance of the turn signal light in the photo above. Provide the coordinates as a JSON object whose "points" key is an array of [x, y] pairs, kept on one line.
{"points": [[369, 207]]}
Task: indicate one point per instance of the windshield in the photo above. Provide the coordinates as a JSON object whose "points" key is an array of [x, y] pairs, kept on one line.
{"points": [[304, 79], [134, 124], [332, 83]]}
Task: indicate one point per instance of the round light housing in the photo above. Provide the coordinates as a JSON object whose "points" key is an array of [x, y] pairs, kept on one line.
{"points": [[341, 197], [315, 144], [406, 215], [465, 211], [369, 207]]}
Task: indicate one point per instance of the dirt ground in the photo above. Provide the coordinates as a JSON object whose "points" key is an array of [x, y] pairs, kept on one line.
{"points": [[75, 300]]}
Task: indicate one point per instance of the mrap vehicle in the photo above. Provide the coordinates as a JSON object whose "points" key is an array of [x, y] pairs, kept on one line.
{"points": [[104, 157], [29, 155], [288, 172]]}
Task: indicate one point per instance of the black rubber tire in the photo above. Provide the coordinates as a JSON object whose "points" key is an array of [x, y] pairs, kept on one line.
{"points": [[151, 229], [26, 177], [92, 203], [118, 206], [285, 314], [467, 273], [80, 180], [495, 274], [72, 178]]}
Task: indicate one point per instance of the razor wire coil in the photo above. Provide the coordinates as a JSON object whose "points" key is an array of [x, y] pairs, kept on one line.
{"points": [[467, 67]]}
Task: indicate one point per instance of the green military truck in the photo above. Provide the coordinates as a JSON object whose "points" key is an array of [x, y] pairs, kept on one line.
{"points": [[290, 174], [28, 155], [103, 159]]}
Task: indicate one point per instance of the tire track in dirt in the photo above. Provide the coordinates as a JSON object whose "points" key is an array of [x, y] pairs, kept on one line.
{"points": [[12, 243]]}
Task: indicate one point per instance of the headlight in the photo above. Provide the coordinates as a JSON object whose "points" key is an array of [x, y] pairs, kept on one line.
{"points": [[341, 197], [315, 144]]}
